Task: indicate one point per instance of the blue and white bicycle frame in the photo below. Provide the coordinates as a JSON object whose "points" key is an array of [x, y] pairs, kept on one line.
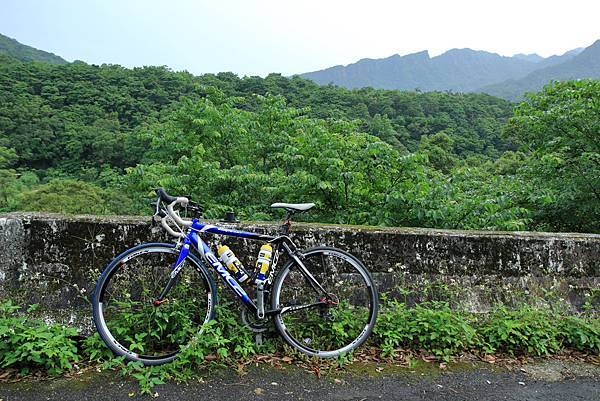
{"points": [[191, 239]]}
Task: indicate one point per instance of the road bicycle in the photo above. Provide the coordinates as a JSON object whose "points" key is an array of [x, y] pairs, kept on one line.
{"points": [[152, 300]]}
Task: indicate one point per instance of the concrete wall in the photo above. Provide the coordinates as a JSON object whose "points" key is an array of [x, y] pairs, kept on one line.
{"points": [[54, 260]]}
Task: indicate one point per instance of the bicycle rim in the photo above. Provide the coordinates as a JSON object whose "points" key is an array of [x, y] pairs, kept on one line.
{"points": [[129, 320], [346, 319]]}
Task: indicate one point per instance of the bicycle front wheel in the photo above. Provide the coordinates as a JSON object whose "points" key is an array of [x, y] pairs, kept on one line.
{"points": [[325, 325], [126, 312]]}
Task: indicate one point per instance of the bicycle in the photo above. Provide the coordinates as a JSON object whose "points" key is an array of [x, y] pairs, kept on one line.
{"points": [[147, 306]]}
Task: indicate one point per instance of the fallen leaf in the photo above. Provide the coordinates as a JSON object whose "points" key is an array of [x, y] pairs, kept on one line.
{"points": [[259, 391], [211, 357], [489, 358], [443, 365], [131, 394]]}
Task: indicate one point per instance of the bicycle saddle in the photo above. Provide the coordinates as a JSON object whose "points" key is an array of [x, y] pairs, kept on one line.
{"points": [[297, 207]]}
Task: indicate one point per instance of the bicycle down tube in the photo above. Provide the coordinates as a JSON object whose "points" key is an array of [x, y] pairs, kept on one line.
{"points": [[193, 238]]}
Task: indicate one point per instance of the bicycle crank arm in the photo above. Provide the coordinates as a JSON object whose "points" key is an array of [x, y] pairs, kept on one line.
{"points": [[260, 300]]}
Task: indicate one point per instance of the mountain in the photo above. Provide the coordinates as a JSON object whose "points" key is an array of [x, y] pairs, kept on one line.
{"points": [[581, 64], [533, 57], [460, 70], [463, 70], [19, 51]]}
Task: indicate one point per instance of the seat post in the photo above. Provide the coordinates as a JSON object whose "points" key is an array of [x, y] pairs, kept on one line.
{"points": [[285, 227]]}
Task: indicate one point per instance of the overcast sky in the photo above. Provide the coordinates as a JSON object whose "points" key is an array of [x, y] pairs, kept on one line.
{"points": [[255, 37]]}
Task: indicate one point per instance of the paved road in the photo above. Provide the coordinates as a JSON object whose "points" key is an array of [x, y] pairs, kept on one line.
{"points": [[266, 383]]}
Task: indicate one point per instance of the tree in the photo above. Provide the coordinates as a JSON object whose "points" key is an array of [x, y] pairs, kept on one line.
{"points": [[72, 196], [438, 150], [560, 129], [8, 157]]}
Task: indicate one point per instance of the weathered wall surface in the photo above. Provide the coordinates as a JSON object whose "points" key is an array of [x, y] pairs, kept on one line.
{"points": [[55, 260]]}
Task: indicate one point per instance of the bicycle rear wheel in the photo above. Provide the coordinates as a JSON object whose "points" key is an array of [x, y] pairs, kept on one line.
{"points": [[334, 324], [129, 320]]}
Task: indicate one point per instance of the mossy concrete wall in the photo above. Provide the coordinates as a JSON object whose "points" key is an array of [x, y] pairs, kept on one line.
{"points": [[54, 260]]}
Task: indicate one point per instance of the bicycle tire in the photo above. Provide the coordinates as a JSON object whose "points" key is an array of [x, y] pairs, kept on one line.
{"points": [[349, 333], [108, 287]]}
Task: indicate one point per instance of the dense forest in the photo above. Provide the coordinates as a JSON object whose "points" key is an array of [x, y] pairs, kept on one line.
{"points": [[80, 138]]}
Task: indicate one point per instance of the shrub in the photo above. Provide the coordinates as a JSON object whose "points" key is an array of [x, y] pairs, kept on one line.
{"points": [[393, 327], [441, 330], [581, 333], [524, 330], [433, 327], [26, 342]]}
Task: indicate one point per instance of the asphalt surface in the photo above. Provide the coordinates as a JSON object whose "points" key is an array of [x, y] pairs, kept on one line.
{"points": [[267, 383]]}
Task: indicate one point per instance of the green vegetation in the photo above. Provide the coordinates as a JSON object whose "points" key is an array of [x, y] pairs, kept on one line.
{"points": [[560, 128], [431, 328], [27, 342], [23, 52], [86, 139]]}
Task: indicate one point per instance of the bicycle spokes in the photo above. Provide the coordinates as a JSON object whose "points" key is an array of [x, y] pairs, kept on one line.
{"points": [[138, 314], [325, 321]]}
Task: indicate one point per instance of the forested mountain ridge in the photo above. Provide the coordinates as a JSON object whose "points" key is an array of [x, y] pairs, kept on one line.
{"points": [[19, 51], [584, 64], [462, 70]]}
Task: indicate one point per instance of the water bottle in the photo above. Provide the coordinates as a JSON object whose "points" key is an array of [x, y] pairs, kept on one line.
{"points": [[233, 263], [263, 262]]}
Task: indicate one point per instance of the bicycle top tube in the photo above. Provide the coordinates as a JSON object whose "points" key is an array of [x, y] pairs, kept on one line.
{"points": [[212, 229]]}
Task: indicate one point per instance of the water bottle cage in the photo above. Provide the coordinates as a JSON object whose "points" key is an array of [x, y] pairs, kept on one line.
{"points": [[269, 274], [274, 261]]}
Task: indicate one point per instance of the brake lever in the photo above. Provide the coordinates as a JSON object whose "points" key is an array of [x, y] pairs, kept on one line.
{"points": [[157, 212], [194, 208]]}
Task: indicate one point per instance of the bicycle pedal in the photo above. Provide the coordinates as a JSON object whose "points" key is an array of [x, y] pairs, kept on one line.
{"points": [[158, 302]]}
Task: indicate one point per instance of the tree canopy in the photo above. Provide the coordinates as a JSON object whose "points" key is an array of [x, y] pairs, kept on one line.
{"points": [[110, 135]]}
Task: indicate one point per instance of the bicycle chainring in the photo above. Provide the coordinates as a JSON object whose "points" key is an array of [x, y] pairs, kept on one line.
{"points": [[253, 323]]}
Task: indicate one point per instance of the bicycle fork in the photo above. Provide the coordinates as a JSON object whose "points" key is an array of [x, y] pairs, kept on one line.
{"points": [[177, 267]]}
